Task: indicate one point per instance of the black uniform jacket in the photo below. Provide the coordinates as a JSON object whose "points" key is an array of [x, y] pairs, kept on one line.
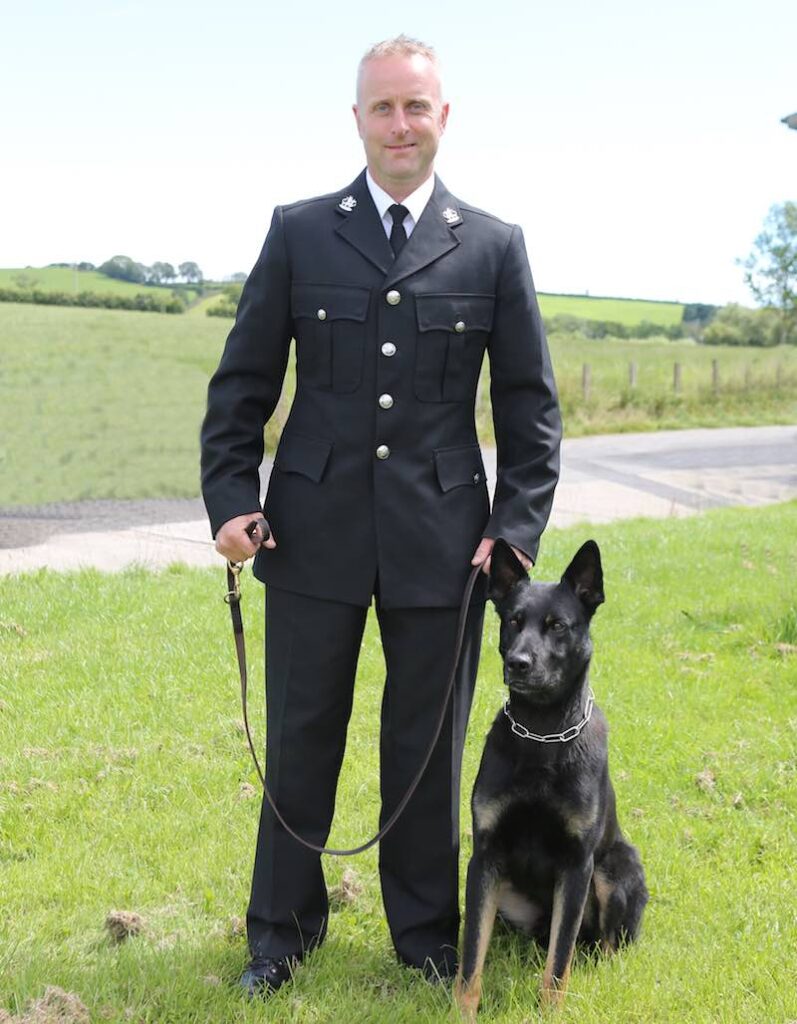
{"points": [[378, 470]]}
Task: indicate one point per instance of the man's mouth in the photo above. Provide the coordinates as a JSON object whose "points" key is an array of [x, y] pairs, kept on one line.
{"points": [[404, 145]]}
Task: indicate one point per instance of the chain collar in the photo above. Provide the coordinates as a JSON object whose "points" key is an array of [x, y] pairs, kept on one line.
{"points": [[553, 737]]}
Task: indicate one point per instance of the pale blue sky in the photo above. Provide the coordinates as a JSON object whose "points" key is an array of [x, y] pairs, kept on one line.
{"points": [[637, 144]]}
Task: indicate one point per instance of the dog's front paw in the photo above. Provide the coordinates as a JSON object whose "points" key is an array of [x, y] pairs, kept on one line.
{"points": [[466, 997]]}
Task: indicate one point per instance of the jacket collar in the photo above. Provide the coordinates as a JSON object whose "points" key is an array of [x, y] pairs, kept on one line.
{"points": [[433, 236]]}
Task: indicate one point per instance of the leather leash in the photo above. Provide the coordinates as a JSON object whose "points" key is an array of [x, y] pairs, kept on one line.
{"points": [[233, 599]]}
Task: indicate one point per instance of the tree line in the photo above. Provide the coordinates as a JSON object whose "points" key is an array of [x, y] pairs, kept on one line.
{"points": [[123, 268]]}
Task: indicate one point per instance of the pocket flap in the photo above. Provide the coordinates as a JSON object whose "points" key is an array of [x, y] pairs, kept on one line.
{"points": [[444, 312], [335, 301], [297, 453], [459, 467]]}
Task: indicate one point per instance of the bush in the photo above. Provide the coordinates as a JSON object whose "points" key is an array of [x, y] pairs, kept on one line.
{"points": [[737, 325], [596, 329], [144, 303]]}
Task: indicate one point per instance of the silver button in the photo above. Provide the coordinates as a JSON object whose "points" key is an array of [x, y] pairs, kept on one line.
{"points": [[476, 478], [386, 401], [393, 298], [388, 349], [321, 314], [459, 326], [382, 451]]}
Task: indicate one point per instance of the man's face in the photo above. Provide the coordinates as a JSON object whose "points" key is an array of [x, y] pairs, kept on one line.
{"points": [[400, 117]]}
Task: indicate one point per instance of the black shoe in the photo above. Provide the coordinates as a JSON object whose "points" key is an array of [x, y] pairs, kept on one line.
{"points": [[265, 974]]}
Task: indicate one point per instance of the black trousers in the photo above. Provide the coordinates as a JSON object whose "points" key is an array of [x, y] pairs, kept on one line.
{"points": [[312, 647]]}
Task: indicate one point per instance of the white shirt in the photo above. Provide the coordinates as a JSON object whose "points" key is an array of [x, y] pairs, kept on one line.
{"points": [[415, 203]]}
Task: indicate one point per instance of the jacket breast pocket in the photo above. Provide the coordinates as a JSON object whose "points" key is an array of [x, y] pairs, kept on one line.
{"points": [[452, 335], [330, 328]]}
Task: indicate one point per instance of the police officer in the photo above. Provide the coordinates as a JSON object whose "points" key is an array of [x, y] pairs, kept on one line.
{"points": [[393, 290]]}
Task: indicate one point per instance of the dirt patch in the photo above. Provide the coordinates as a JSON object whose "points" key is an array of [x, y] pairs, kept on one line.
{"points": [[347, 891], [55, 1007], [123, 924]]}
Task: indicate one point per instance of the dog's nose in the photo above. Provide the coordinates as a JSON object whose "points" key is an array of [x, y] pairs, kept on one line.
{"points": [[518, 662]]}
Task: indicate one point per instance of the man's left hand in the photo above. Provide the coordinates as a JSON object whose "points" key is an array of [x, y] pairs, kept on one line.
{"points": [[481, 556]]}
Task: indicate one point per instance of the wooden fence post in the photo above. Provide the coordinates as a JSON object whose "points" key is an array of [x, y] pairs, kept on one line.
{"points": [[586, 380], [676, 378], [715, 375], [632, 375], [748, 377]]}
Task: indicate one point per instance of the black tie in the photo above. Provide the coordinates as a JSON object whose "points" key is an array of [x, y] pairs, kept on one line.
{"points": [[398, 236]]}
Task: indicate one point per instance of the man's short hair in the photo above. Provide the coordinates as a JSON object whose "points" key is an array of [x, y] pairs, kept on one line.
{"points": [[399, 46]]}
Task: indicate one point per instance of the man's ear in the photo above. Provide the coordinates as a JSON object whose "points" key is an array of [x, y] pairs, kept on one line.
{"points": [[505, 570], [584, 576]]}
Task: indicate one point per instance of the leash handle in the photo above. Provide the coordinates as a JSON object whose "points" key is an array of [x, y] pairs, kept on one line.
{"points": [[233, 598]]}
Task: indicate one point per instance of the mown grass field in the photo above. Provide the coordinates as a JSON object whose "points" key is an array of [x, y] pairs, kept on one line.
{"points": [[65, 279], [108, 403], [125, 784], [621, 311]]}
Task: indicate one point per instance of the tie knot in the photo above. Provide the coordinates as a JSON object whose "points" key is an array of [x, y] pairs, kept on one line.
{"points": [[398, 213]]}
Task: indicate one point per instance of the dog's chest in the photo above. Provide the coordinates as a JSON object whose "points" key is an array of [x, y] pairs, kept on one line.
{"points": [[529, 834]]}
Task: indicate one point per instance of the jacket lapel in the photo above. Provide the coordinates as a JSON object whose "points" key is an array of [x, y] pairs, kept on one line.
{"points": [[433, 236], [360, 225]]}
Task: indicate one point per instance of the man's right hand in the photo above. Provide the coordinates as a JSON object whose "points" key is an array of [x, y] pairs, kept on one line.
{"points": [[234, 542]]}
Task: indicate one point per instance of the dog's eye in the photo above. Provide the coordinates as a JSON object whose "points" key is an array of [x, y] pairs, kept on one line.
{"points": [[515, 623], [556, 625]]}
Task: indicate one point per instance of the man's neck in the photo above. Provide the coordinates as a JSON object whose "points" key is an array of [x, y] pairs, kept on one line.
{"points": [[398, 191]]}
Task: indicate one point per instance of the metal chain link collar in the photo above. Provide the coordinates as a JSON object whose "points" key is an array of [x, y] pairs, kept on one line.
{"points": [[553, 737]]}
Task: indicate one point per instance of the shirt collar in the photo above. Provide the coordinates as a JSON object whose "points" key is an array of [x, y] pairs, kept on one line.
{"points": [[415, 202]]}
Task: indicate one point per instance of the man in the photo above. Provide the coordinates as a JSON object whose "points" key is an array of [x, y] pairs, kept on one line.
{"points": [[392, 289]]}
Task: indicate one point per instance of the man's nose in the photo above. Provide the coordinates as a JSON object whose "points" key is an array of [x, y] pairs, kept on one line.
{"points": [[399, 125]]}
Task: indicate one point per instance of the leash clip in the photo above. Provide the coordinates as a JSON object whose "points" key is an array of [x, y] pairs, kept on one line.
{"points": [[234, 573]]}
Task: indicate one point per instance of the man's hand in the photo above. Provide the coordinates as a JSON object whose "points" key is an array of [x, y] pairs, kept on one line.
{"points": [[481, 555], [234, 542]]}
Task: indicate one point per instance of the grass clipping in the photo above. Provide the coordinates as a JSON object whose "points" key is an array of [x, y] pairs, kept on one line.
{"points": [[123, 924], [55, 1007]]}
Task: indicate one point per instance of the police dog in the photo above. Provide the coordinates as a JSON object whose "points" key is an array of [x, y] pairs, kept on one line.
{"points": [[548, 853]]}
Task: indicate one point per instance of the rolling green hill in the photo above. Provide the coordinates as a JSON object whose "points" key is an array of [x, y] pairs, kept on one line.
{"points": [[587, 307], [621, 311], [65, 279]]}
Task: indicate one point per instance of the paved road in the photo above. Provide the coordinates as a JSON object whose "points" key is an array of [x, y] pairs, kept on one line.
{"points": [[672, 473]]}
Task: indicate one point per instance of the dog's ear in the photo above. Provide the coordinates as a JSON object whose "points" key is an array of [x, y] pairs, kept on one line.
{"points": [[505, 570], [585, 576]]}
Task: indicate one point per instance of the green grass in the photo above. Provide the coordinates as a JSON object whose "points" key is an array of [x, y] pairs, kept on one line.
{"points": [[108, 403], [621, 311], [65, 279], [124, 784]]}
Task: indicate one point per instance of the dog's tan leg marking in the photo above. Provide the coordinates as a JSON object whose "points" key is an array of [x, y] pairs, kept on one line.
{"points": [[569, 898], [467, 994], [603, 894]]}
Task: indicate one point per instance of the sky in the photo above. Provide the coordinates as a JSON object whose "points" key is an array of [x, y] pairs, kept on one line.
{"points": [[638, 144]]}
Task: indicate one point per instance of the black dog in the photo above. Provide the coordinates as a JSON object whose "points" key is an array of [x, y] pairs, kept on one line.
{"points": [[548, 854]]}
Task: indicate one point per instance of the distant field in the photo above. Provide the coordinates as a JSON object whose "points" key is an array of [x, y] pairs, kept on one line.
{"points": [[64, 279], [621, 311], [107, 403]]}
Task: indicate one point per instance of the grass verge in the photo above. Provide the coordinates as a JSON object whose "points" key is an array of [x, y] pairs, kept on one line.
{"points": [[125, 784]]}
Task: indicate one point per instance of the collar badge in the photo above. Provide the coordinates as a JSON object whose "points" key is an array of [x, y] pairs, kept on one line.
{"points": [[450, 216], [347, 204]]}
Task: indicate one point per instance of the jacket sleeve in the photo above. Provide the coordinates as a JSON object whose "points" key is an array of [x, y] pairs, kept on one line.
{"points": [[244, 390], [526, 417]]}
